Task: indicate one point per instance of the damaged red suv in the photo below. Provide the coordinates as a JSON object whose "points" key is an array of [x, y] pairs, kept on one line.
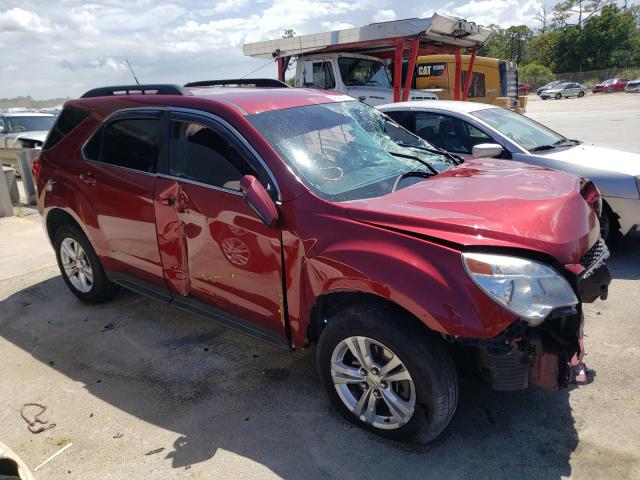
{"points": [[303, 217]]}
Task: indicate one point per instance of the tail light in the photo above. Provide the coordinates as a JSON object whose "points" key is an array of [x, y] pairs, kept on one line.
{"points": [[36, 167], [591, 195]]}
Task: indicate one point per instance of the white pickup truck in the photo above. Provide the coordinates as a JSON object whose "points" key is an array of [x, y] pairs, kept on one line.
{"points": [[360, 76]]}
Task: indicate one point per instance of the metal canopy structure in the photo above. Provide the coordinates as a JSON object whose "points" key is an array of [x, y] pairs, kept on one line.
{"points": [[386, 40]]}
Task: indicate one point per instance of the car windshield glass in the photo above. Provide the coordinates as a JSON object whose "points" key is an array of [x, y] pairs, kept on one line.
{"points": [[522, 130], [609, 82], [29, 124], [362, 71], [346, 150]]}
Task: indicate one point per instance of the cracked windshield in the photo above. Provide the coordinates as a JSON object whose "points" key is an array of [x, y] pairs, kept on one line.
{"points": [[348, 150]]}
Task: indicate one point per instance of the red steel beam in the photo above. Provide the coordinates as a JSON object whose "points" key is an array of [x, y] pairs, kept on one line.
{"points": [[413, 55], [283, 63], [397, 70], [467, 82], [458, 75]]}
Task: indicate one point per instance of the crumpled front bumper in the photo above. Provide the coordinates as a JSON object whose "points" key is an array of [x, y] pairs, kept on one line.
{"points": [[549, 355]]}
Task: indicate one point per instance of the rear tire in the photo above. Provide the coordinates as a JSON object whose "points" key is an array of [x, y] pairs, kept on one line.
{"points": [[424, 378], [80, 266], [609, 225]]}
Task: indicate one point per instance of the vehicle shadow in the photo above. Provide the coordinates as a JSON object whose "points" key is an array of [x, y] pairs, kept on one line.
{"points": [[624, 262], [222, 391]]}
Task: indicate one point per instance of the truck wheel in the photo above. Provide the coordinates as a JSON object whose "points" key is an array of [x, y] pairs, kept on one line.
{"points": [[80, 267], [386, 374], [558, 96]]}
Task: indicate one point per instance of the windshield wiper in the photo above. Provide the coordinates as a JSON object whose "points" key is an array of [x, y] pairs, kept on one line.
{"points": [[454, 158], [563, 142], [411, 157]]}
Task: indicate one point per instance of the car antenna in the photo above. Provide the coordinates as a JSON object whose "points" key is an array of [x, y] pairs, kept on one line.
{"points": [[132, 72]]}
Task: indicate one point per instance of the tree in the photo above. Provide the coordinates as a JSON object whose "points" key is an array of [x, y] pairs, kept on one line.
{"points": [[535, 74]]}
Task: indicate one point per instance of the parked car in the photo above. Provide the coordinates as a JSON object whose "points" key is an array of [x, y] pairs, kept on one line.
{"points": [[633, 86], [610, 86], [24, 129], [549, 86], [301, 216], [470, 129], [564, 90], [524, 89]]}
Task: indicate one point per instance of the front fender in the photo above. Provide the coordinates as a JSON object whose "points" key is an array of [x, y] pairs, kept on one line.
{"points": [[425, 278]]}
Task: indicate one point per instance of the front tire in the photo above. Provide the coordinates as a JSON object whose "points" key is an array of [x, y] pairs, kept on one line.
{"points": [[386, 374], [80, 266], [609, 225], [558, 96], [581, 94]]}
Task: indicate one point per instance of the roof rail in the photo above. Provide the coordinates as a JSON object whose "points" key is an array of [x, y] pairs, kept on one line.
{"points": [[240, 82], [150, 89]]}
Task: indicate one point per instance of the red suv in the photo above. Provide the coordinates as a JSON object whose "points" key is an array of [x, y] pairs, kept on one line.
{"points": [[305, 217]]}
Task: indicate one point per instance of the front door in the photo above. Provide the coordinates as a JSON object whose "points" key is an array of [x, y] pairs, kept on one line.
{"points": [[214, 248]]}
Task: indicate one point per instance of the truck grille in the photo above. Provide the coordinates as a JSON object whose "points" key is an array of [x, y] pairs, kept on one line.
{"points": [[596, 254]]}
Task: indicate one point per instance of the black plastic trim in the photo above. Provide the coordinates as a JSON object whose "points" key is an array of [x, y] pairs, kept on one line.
{"points": [[150, 89], [196, 307], [240, 82]]}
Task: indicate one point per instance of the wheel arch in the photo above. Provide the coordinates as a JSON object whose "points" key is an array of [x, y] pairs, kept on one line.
{"points": [[57, 218], [329, 303]]}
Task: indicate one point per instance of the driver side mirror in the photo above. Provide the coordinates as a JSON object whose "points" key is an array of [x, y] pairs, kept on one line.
{"points": [[259, 200], [486, 150]]}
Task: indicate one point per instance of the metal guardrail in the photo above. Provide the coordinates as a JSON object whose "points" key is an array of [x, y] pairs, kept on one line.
{"points": [[21, 159]]}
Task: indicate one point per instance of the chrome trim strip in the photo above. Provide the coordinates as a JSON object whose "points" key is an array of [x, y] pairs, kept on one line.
{"points": [[200, 184]]}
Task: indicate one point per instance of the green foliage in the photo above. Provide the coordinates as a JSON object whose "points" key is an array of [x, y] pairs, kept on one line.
{"points": [[582, 35], [535, 74]]}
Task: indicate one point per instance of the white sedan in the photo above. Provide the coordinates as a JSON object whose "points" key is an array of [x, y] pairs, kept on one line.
{"points": [[482, 130]]}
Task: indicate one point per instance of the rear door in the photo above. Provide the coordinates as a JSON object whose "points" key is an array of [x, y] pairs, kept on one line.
{"points": [[216, 252], [118, 176]]}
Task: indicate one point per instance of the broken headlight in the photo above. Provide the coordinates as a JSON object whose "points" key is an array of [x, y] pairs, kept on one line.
{"points": [[530, 289]]}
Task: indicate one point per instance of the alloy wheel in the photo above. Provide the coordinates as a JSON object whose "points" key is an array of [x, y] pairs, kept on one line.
{"points": [[373, 383], [76, 265]]}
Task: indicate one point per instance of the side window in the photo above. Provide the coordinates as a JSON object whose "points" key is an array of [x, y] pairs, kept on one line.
{"points": [[69, 119], [2, 124], [201, 154], [397, 116], [477, 85], [323, 76], [449, 133], [131, 143]]}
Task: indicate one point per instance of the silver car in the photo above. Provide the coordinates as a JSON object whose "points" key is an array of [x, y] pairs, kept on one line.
{"points": [[24, 129], [480, 130], [564, 90], [632, 85]]}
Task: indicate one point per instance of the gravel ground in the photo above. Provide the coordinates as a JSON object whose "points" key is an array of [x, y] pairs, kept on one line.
{"points": [[144, 391]]}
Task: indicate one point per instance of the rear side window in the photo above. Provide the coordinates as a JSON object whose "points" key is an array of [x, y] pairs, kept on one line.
{"points": [[69, 119], [130, 143]]}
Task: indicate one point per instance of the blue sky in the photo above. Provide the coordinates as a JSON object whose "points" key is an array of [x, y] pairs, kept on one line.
{"points": [[62, 48]]}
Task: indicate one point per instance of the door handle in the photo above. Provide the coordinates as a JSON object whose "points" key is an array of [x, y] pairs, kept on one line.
{"points": [[88, 178]]}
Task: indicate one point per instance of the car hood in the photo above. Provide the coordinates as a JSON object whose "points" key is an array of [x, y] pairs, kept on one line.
{"points": [[598, 158], [493, 203], [11, 138]]}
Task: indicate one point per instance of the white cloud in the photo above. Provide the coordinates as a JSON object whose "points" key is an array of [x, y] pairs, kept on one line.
{"points": [[499, 12], [384, 16], [16, 19], [62, 48]]}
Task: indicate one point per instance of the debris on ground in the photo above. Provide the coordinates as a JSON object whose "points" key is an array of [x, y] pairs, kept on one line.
{"points": [[37, 425], [52, 457]]}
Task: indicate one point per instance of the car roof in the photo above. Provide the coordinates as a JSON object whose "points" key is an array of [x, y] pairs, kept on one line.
{"points": [[246, 100], [449, 105]]}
